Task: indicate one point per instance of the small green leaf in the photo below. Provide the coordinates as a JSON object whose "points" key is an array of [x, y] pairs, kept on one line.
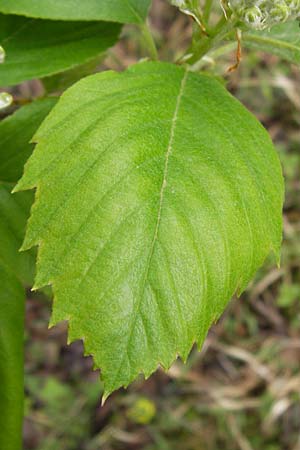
{"points": [[61, 81], [12, 298], [37, 48], [282, 40], [15, 268], [124, 11], [158, 197], [14, 212], [15, 134]]}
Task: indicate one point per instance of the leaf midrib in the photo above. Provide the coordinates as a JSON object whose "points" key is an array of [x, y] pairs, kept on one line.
{"points": [[134, 12], [275, 42], [16, 32], [159, 213], [166, 168]]}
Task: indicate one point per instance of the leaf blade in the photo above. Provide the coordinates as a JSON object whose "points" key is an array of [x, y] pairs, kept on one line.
{"points": [[16, 269], [16, 132], [14, 212], [171, 214], [129, 11], [51, 47], [12, 299], [282, 40]]}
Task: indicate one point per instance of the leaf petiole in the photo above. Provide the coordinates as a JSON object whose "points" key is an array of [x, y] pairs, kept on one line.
{"points": [[207, 10], [149, 41]]}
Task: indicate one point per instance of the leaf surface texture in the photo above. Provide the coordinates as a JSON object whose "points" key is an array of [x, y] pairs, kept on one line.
{"points": [[158, 197]]}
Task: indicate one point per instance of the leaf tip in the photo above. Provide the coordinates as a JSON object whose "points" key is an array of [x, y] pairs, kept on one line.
{"points": [[16, 188], [24, 247], [104, 398], [50, 324]]}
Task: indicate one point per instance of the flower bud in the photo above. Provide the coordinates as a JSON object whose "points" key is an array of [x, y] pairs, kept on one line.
{"points": [[280, 12], [262, 14], [254, 18], [294, 6], [5, 100]]}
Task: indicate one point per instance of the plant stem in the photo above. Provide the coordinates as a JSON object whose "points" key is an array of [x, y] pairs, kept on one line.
{"points": [[207, 10], [220, 24], [149, 41], [214, 54], [208, 43]]}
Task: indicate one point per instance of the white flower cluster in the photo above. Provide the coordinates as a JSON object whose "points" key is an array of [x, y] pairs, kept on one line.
{"points": [[262, 14]]}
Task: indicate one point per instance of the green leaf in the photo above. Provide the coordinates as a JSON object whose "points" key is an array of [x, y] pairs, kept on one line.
{"points": [[158, 197], [37, 48], [15, 133], [14, 213], [124, 11], [15, 267], [282, 40], [11, 360], [61, 81]]}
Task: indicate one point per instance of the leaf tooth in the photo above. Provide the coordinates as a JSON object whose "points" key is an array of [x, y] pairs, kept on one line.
{"points": [[41, 281], [26, 246], [24, 185], [105, 397]]}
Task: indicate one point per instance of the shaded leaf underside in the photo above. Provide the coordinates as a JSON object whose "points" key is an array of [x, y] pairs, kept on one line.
{"points": [[12, 298], [16, 269], [158, 196], [13, 268], [16, 131], [14, 212], [36, 48]]}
